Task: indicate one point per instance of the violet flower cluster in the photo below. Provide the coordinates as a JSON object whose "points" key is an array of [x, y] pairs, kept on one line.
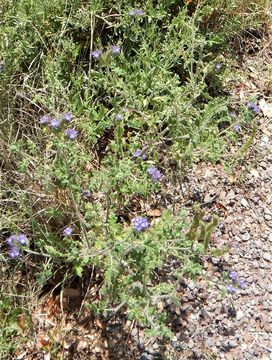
{"points": [[119, 117], [134, 12], [96, 54], [14, 243], [237, 128], [140, 224], [55, 124], [140, 153], [254, 107], [115, 49], [154, 173], [236, 282], [218, 66], [67, 231]]}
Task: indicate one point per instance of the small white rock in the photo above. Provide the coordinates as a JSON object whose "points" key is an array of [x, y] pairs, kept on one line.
{"points": [[267, 256], [265, 139], [254, 173], [244, 202], [239, 315]]}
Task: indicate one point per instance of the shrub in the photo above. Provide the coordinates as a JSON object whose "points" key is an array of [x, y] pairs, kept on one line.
{"points": [[103, 107]]}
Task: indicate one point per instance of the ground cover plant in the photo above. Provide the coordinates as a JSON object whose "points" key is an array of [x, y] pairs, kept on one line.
{"points": [[104, 105]]}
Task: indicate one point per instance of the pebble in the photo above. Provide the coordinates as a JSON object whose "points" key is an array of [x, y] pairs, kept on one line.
{"points": [[255, 173], [227, 356], [191, 285], [215, 261], [267, 256], [232, 344], [231, 194], [191, 344], [264, 140], [209, 342], [267, 217], [266, 306], [239, 315], [263, 265], [245, 236], [146, 356], [263, 164], [244, 202]]}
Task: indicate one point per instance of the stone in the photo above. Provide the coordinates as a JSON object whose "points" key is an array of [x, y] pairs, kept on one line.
{"points": [[232, 344], [191, 285], [245, 236], [267, 217], [191, 344], [215, 261], [239, 315], [264, 140], [209, 342], [255, 173], [266, 306], [244, 202], [267, 256]]}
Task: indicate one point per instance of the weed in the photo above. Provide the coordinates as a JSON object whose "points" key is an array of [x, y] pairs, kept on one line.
{"points": [[97, 101]]}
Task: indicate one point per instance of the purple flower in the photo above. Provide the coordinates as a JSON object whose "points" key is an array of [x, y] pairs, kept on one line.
{"points": [[231, 289], [136, 12], [86, 194], [11, 240], [15, 239], [119, 117], [155, 174], [71, 134], [139, 12], [45, 119], [254, 107], [115, 49], [140, 224], [218, 66], [96, 54], [67, 117], [237, 128], [13, 252], [67, 231], [22, 239], [140, 154], [233, 275], [242, 283], [55, 123]]}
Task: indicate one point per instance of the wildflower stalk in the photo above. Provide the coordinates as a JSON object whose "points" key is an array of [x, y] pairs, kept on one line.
{"points": [[120, 133], [192, 234], [80, 219], [209, 228], [244, 149]]}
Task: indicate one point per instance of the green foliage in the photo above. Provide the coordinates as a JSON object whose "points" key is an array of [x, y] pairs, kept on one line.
{"points": [[11, 334], [165, 84], [201, 231]]}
